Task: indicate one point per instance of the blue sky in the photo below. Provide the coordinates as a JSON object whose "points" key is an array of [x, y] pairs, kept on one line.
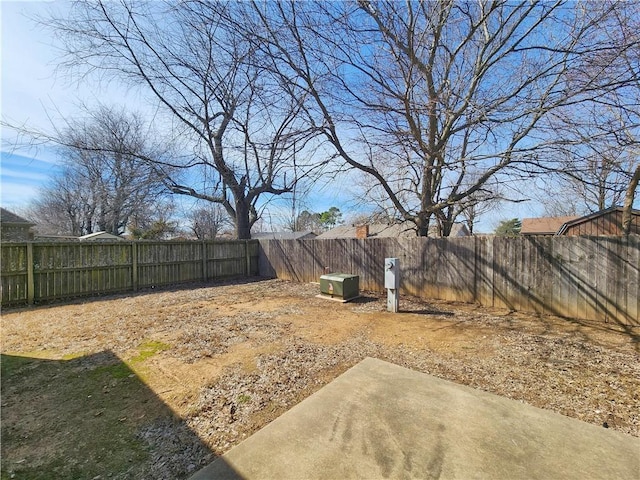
{"points": [[28, 90], [32, 95], [21, 178]]}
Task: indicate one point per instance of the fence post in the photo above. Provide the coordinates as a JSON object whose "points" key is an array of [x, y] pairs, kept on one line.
{"points": [[31, 288], [476, 254], [204, 261], [134, 265], [247, 257]]}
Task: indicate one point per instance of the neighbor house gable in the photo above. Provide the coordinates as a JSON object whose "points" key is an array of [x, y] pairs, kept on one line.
{"points": [[544, 225], [14, 228], [603, 222]]}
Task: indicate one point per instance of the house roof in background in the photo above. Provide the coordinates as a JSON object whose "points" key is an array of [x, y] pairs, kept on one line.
{"points": [[376, 230], [100, 236], [8, 217], [591, 216], [283, 235], [55, 238], [544, 225], [395, 230]]}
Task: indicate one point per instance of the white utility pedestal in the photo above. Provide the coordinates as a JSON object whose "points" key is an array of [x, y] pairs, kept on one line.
{"points": [[392, 283]]}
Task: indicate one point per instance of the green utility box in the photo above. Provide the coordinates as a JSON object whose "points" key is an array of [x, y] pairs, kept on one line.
{"points": [[341, 286]]}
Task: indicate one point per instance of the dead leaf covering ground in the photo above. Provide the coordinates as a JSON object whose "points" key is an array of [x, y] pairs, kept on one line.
{"points": [[236, 356]]}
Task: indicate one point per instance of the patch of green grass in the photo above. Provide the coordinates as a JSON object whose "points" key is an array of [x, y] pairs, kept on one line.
{"points": [[12, 364], [148, 349], [119, 370], [74, 419], [74, 355], [243, 398]]}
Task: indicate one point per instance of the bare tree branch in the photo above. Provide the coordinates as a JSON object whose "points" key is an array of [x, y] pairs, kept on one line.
{"points": [[205, 74]]}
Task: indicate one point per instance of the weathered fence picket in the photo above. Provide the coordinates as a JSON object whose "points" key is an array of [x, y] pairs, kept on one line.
{"points": [[34, 271], [593, 278]]}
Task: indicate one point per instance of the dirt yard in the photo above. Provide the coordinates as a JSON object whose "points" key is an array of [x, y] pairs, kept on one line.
{"points": [[155, 385]]}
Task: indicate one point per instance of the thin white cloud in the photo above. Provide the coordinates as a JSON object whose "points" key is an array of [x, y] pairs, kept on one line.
{"points": [[17, 194], [23, 176]]}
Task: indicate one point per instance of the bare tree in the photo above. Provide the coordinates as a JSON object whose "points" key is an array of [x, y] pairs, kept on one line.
{"points": [[598, 141], [481, 202], [306, 220], [559, 201], [295, 215], [593, 159], [374, 216], [63, 207], [102, 183], [242, 125], [207, 222], [154, 220], [433, 100]]}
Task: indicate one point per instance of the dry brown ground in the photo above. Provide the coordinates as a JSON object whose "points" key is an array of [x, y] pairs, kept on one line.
{"points": [[235, 356]]}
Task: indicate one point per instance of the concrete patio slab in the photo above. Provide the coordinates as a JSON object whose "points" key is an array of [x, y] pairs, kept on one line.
{"points": [[379, 420]]}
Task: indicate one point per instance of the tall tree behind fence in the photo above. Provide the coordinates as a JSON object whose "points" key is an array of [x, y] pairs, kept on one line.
{"points": [[33, 271], [592, 278]]}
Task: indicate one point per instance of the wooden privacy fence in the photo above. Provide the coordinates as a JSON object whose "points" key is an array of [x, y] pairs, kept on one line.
{"points": [[34, 271], [592, 278]]}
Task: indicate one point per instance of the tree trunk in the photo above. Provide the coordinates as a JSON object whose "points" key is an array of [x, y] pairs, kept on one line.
{"points": [[422, 225], [447, 226], [243, 226], [446, 221], [628, 202]]}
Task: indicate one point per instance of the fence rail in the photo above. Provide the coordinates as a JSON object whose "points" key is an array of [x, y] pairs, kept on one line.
{"points": [[33, 271], [592, 278]]}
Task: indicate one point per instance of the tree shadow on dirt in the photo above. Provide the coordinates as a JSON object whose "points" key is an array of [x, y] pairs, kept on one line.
{"points": [[363, 300], [427, 311], [604, 333], [90, 417]]}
